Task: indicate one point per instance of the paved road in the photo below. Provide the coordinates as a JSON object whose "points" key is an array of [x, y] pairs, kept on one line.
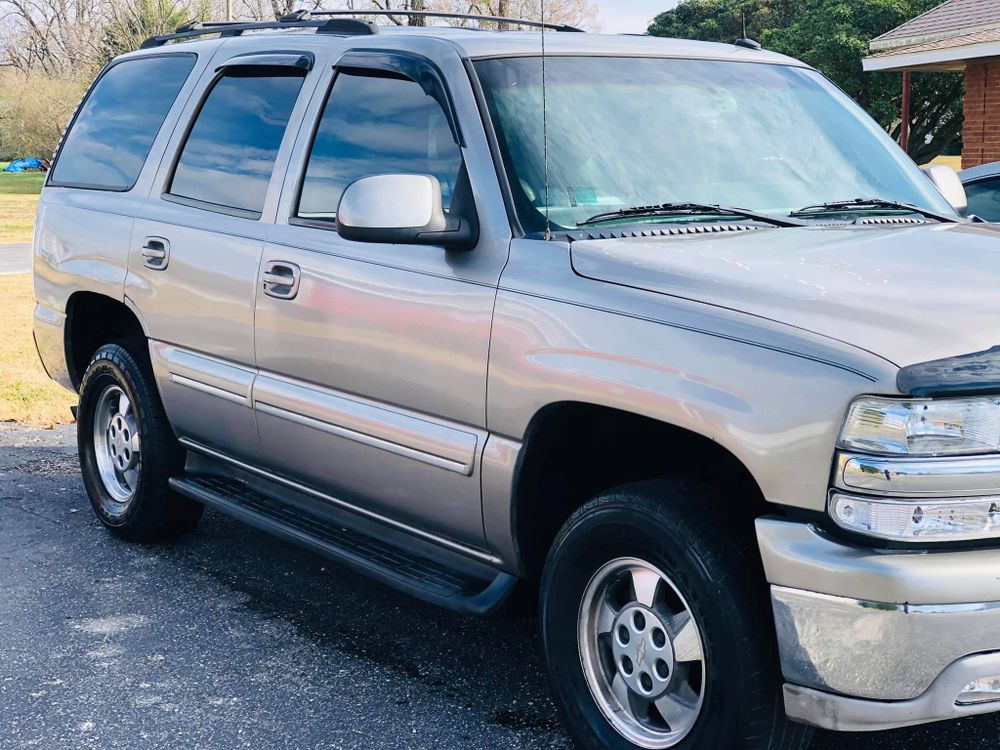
{"points": [[229, 639], [15, 259]]}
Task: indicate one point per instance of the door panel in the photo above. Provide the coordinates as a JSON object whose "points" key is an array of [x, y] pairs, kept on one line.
{"points": [[210, 396], [198, 313], [369, 423], [372, 386], [196, 252]]}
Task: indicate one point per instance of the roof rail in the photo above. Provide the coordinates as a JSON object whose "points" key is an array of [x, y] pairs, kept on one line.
{"points": [[437, 14], [297, 20], [338, 22]]}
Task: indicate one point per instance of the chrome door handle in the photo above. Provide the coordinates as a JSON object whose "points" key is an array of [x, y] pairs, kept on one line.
{"points": [[155, 253], [281, 279]]}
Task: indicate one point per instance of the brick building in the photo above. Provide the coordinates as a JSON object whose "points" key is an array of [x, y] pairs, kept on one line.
{"points": [[960, 36]]}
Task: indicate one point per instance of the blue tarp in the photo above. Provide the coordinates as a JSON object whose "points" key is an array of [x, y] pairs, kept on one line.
{"points": [[24, 165]]}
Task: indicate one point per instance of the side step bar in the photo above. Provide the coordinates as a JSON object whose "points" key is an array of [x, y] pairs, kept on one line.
{"points": [[414, 574]]}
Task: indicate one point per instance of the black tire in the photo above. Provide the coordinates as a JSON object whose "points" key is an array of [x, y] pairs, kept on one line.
{"points": [[153, 512], [675, 525]]}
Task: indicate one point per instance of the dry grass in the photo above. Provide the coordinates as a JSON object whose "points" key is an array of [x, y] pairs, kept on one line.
{"points": [[17, 217], [18, 204], [27, 394]]}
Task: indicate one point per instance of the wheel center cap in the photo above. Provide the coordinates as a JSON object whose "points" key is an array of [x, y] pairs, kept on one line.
{"points": [[644, 656]]}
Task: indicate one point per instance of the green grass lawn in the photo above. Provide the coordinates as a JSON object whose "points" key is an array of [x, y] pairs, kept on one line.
{"points": [[18, 203], [25, 183]]}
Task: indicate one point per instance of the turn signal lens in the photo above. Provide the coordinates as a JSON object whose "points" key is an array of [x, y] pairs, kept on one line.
{"points": [[923, 427], [944, 520]]}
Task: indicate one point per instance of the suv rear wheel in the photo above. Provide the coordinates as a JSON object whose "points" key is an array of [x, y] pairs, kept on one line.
{"points": [[657, 629], [128, 451]]}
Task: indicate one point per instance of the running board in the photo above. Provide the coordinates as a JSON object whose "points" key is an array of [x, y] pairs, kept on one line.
{"points": [[412, 573]]}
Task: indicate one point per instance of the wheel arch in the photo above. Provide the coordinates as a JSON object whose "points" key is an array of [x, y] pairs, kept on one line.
{"points": [[573, 449], [92, 320]]}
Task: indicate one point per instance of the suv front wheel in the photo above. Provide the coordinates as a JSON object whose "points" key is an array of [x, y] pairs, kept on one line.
{"points": [[656, 626], [128, 451]]}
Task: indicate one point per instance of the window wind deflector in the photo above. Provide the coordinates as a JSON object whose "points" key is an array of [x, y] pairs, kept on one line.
{"points": [[688, 209], [298, 60], [871, 204]]}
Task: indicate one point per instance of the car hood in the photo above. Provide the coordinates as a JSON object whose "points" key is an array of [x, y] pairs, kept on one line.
{"points": [[906, 293]]}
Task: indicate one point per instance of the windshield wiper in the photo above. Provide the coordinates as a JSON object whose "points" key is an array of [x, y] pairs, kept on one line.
{"points": [[688, 209], [865, 204]]}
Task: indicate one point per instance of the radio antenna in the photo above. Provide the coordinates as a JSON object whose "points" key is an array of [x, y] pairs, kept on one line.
{"points": [[545, 134]]}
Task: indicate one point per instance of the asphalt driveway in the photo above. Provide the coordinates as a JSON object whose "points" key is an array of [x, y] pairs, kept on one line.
{"points": [[229, 639]]}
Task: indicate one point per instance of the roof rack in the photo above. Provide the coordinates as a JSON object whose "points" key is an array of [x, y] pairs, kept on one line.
{"points": [[297, 20], [440, 14], [338, 22]]}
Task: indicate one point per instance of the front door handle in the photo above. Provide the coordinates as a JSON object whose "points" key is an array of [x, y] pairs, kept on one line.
{"points": [[155, 253], [281, 279]]}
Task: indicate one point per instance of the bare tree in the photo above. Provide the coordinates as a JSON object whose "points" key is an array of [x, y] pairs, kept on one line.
{"points": [[34, 109], [581, 13], [130, 22], [417, 20], [57, 37]]}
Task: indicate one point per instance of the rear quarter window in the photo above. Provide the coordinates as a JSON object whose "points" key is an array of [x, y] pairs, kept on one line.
{"points": [[110, 137]]}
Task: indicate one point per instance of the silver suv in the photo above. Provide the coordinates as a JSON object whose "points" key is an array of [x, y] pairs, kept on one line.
{"points": [[669, 335]]}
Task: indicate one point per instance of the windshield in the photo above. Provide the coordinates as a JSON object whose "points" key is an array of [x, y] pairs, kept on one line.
{"points": [[626, 132]]}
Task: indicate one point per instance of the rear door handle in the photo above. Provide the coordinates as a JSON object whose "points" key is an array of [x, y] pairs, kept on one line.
{"points": [[155, 253], [281, 279]]}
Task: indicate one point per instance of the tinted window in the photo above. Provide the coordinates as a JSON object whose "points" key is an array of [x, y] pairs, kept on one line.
{"points": [[984, 199], [111, 136], [230, 151], [376, 125]]}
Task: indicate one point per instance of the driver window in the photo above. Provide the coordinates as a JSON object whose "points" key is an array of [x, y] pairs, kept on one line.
{"points": [[376, 123]]}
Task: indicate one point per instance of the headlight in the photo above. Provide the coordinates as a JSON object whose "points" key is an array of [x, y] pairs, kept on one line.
{"points": [[928, 520], [923, 427]]}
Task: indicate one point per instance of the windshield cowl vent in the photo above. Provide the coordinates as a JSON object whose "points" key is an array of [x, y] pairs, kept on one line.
{"points": [[623, 234], [883, 220]]}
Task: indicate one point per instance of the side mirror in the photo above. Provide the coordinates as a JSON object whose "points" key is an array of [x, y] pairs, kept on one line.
{"points": [[401, 209], [947, 181]]}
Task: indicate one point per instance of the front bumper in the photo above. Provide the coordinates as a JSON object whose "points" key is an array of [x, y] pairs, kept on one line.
{"points": [[874, 639]]}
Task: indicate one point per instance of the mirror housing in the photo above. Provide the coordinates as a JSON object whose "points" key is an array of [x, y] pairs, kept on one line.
{"points": [[402, 209], [948, 183]]}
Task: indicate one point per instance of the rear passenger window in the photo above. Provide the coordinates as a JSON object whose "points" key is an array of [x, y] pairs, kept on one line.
{"points": [[110, 138], [376, 124], [229, 154]]}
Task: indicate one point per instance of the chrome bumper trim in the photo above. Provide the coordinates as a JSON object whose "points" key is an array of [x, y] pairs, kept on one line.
{"points": [[919, 477], [874, 650], [844, 714]]}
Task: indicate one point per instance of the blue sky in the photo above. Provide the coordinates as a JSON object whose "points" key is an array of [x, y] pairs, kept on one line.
{"points": [[630, 16]]}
